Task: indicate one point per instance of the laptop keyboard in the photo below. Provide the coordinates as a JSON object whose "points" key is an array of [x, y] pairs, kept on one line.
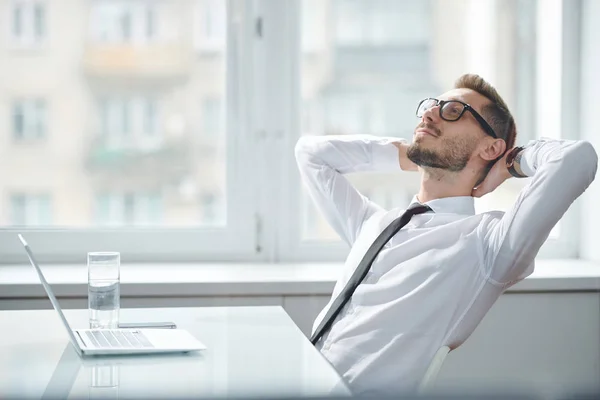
{"points": [[119, 339]]}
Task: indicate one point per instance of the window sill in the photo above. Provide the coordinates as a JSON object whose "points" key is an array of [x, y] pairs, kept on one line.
{"points": [[252, 279]]}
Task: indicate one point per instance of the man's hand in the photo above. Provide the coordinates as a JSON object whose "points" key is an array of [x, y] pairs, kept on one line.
{"points": [[497, 175], [405, 163]]}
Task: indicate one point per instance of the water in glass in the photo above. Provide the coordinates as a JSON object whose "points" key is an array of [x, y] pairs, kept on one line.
{"points": [[104, 289], [104, 303]]}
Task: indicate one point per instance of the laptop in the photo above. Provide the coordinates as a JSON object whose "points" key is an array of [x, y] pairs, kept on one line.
{"points": [[119, 341]]}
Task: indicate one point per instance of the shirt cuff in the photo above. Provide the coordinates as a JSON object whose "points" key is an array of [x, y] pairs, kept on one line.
{"points": [[526, 166], [527, 162], [384, 155]]}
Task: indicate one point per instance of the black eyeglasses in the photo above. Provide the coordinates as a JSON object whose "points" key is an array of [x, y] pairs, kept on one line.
{"points": [[452, 110]]}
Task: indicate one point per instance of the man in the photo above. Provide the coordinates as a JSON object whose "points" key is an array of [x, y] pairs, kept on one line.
{"points": [[436, 278]]}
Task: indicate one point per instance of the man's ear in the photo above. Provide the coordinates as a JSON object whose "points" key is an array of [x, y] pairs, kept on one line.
{"points": [[494, 148]]}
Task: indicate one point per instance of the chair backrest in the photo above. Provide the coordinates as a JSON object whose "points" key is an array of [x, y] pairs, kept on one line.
{"points": [[433, 369]]}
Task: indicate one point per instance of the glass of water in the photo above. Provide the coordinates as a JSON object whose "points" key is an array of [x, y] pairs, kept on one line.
{"points": [[104, 289]]}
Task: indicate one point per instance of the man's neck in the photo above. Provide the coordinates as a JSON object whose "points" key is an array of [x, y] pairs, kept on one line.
{"points": [[438, 184]]}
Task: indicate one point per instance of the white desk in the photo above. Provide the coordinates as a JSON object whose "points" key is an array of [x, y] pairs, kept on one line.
{"points": [[251, 352]]}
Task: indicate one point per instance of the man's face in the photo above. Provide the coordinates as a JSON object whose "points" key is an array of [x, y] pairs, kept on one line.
{"points": [[447, 145]]}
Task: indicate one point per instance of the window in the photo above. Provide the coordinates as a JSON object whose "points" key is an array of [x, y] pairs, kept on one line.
{"points": [[386, 55], [129, 122], [28, 22], [125, 163], [172, 134], [29, 119], [30, 209], [122, 21], [210, 27], [129, 209]]}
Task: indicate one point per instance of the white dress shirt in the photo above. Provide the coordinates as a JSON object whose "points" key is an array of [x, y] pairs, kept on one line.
{"points": [[435, 280]]}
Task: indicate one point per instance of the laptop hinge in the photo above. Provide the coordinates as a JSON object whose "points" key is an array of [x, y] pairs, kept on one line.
{"points": [[85, 343]]}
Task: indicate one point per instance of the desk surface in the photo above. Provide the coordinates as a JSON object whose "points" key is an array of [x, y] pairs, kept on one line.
{"points": [[251, 352]]}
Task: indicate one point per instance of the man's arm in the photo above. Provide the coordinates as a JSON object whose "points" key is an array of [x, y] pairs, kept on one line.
{"points": [[323, 161], [561, 171]]}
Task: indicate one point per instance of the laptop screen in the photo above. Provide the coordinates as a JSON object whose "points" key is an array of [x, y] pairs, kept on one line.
{"points": [[50, 294]]}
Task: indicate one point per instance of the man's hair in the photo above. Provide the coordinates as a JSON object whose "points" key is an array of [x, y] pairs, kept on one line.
{"points": [[496, 112]]}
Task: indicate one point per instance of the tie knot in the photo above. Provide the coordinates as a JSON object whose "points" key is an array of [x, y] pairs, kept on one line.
{"points": [[418, 208]]}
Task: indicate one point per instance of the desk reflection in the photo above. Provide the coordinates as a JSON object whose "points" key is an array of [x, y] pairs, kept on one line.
{"points": [[104, 381], [113, 377]]}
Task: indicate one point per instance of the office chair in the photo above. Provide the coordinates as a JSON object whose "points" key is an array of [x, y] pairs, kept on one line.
{"points": [[433, 369]]}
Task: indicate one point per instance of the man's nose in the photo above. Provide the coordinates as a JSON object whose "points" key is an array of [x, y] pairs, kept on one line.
{"points": [[432, 115]]}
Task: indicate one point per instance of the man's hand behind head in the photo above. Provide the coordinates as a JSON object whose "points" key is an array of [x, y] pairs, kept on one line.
{"points": [[497, 175]]}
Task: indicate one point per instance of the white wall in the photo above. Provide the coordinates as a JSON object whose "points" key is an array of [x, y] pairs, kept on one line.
{"points": [[546, 341]]}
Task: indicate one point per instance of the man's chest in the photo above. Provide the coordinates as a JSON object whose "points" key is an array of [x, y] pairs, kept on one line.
{"points": [[426, 249]]}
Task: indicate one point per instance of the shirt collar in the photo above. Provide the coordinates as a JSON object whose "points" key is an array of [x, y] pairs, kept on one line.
{"points": [[463, 205]]}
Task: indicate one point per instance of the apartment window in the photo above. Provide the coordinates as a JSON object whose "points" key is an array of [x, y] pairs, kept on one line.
{"points": [[28, 21], [381, 22], [150, 22], [149, 111], [210, 27], [29, 119], [30, 209], [122, 21], [129, 209], [129, 122]]}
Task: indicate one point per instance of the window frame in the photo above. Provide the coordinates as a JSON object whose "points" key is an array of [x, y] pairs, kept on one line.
{"points": [[237, 241]]}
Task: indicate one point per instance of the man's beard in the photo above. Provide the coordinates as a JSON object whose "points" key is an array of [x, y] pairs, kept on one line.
{"points": [[453, 156]]}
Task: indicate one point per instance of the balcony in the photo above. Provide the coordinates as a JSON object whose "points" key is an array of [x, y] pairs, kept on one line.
{"points": [[138, 164], [149, 61]]}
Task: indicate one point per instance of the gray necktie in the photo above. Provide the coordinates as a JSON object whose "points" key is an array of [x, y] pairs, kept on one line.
{"points": [[364, 266]]}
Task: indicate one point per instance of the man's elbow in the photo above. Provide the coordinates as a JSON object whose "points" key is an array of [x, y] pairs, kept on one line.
{"points": [[585, 158], [582, 163], [302, 145], [307, 148]]}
